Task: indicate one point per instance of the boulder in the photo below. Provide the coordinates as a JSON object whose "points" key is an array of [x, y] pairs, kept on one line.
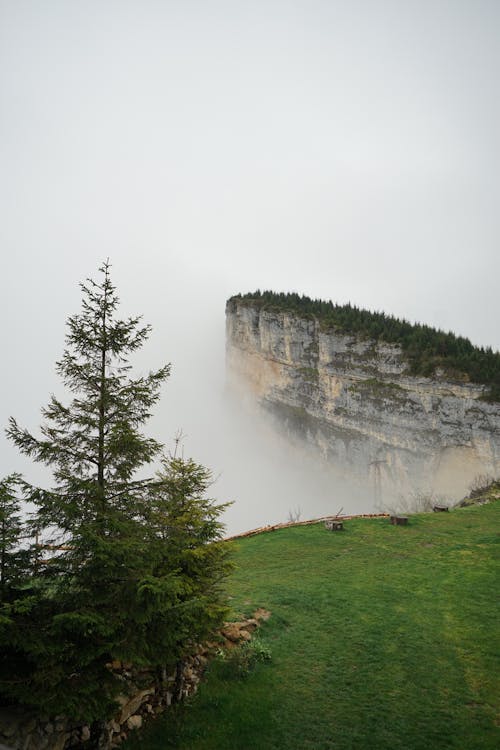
{"points": [[134, 722], [133, 704], [232, 631]]}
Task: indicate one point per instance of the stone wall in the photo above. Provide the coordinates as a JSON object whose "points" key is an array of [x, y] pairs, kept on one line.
{"points": [[145, 695]]}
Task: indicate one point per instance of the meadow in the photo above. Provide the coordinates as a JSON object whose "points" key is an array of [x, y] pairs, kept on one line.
{"points": [[381, 638]]}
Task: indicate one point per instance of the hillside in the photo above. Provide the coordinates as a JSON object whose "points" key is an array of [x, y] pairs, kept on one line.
{"points": [[382, 638]]}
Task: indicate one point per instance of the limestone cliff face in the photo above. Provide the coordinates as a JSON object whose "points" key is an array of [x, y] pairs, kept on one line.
{"points": [[356, 401]]}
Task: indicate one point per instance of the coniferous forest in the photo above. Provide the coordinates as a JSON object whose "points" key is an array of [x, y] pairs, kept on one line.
{"points": [[427, 349]]}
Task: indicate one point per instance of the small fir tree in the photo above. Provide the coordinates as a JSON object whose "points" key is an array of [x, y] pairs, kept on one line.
{"points": [[184, 535]]}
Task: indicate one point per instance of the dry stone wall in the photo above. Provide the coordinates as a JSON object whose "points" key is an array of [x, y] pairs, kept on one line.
{"points": [[145, 695]]}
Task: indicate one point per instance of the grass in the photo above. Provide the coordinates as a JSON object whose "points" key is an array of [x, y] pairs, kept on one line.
{"points": [[382, 637]]}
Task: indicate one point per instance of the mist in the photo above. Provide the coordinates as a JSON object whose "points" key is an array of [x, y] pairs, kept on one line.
{"points": [[347, 151]]}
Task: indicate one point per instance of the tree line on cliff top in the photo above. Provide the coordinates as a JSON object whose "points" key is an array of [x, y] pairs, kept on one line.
{"points": [[427, 349], [110, 565]]}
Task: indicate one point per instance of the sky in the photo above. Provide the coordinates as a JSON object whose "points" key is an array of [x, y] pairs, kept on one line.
{"points": [[345, 150]]}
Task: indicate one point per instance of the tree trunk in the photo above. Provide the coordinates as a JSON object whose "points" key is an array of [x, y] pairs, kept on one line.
{"points": [[334, 525], [399, 520], [102, 395]]}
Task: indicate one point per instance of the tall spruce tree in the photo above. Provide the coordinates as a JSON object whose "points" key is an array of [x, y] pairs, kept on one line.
{"points": [[105, 588], [94, 445]]}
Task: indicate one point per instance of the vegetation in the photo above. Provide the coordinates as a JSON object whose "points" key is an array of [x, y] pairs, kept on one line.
{"points": [[427, 349], [240, 661], [309, 373], [381, 637], [483, 489], [380, 388], [12, 558], [116, 566]]}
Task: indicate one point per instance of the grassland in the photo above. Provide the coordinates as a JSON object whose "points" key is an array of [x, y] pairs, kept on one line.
{"points": [[382, 638]]}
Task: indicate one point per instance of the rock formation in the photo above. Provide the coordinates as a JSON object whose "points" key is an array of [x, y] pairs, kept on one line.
{"points": [[355, 400]]}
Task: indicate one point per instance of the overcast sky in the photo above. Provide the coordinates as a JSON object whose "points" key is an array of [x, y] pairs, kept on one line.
{"points": [[343, 149]]}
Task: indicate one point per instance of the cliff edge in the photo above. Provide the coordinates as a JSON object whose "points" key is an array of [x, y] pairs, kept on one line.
{"points": [[358, 401]]}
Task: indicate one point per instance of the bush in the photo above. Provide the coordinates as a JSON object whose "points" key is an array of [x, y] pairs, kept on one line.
{"points": [[240, 660]]}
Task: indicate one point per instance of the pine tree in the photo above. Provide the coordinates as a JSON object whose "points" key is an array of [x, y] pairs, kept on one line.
{"points": [[105, 587]]}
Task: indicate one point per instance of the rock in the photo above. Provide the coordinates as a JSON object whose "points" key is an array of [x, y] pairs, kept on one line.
{"points": [[134, 722], [251, 624], [85, 733], [212, 646], [232, 630], [261, 614], [133, 704]]}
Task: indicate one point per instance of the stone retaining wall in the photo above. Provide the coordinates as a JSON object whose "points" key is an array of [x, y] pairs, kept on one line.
{"points": [[147, 693]]}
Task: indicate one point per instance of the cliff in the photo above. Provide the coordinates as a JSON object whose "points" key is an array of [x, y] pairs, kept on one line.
{"points": [[355, 399]]}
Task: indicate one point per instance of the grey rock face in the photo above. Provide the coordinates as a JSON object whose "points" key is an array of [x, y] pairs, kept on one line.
{"points": [[357, 402]]}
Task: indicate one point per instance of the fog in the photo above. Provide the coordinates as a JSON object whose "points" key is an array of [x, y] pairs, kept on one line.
{"points": [[344, 150]]}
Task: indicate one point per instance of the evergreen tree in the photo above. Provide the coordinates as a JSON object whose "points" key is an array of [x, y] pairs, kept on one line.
{"points": [[105, 588], [94, 445], [184, 531], [12, 558]]}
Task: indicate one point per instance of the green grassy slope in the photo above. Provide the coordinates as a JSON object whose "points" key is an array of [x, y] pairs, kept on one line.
{"points": [[382, 637]]}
